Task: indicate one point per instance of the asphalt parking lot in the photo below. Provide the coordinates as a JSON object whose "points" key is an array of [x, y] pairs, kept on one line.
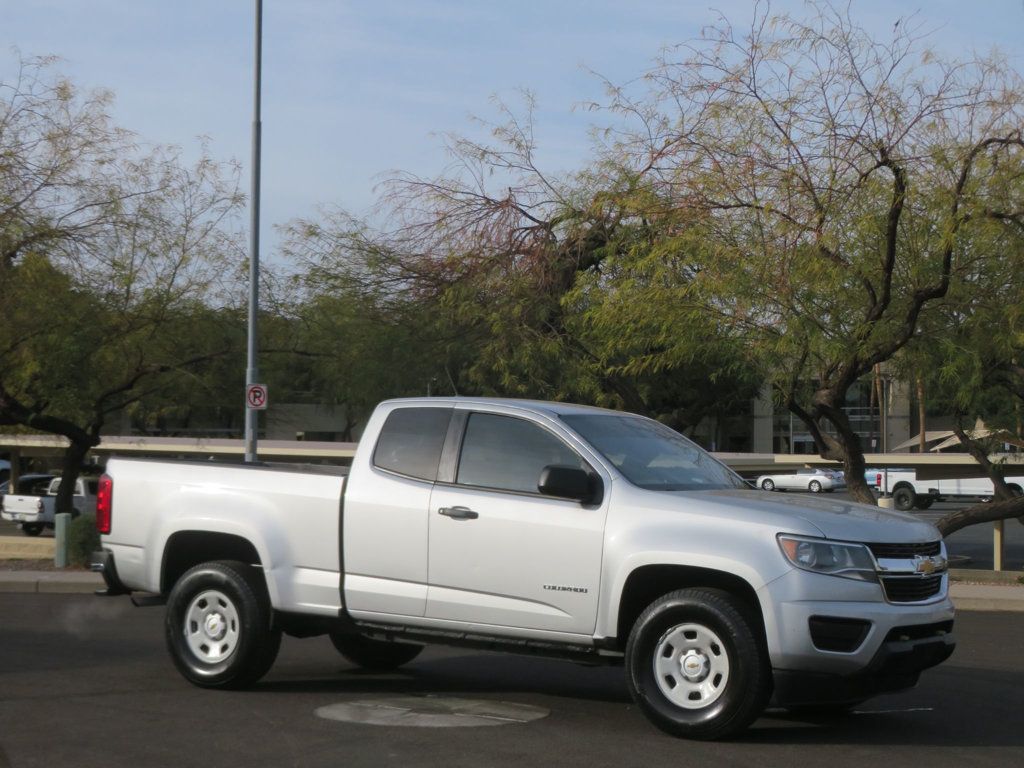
{"points": [[85, 681]]}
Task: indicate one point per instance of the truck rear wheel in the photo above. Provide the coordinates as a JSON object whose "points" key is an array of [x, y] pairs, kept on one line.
{"points": [[695, 665], [904, 498], [376, 655], [218, 625], [31, 529]]}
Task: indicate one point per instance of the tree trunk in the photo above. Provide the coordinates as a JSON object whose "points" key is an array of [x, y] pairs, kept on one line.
{"points": [[1001, 490], [922, 442], [828, 402], [981, 513], [74, 458]]}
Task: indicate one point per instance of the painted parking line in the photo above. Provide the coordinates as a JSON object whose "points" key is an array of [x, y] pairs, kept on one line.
{"points": [[431, 712]]}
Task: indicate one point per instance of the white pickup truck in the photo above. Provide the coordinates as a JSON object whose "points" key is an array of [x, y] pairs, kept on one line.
{"points": [[540, 528], [35, 512], [908, 492]]}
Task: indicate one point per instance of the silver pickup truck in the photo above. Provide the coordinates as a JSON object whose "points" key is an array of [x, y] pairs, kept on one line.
{"points": [[540, 528]]}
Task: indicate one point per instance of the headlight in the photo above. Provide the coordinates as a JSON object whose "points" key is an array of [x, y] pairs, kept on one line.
{"points": [[850, 561]]}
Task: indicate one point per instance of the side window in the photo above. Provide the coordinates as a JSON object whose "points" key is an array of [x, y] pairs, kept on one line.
{"points": [[509, 454], [411, 440]]}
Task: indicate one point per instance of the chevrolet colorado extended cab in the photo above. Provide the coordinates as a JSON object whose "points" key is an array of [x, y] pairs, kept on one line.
{"points": [[539, 528]]}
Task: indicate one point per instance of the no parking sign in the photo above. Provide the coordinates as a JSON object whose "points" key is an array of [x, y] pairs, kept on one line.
{"points": [[256, 397]]}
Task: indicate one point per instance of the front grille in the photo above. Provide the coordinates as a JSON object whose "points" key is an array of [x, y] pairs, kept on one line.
{"points": [[905, 551], [911, 589]]}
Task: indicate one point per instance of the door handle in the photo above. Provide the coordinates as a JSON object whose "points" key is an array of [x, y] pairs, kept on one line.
{"points": [[458, 513]]}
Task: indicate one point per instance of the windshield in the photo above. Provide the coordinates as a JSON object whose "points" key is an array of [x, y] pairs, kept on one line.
{"points": [[651, 455]]}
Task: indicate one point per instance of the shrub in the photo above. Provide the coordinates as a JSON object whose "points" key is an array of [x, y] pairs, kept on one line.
{"points": [[83, 539]]}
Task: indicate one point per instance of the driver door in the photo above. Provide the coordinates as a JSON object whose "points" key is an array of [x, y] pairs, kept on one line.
{"points": [[501, 554]]}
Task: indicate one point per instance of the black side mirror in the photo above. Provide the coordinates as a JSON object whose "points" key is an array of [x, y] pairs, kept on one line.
{"points": [[566, 483]]}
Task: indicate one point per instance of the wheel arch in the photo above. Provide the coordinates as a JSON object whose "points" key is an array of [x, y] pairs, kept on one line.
{"points": [[647, 583], [185, 549]]}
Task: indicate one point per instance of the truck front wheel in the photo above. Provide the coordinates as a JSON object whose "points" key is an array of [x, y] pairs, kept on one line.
{"points": [[376, 655], [904, 498], [218, 625], [695, 665]]}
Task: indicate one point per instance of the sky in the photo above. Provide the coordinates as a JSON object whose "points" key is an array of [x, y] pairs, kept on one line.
{"points": [[354, 90]]}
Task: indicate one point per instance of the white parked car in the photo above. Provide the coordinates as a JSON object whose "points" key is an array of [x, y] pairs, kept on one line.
{"points": [[813, 480]]}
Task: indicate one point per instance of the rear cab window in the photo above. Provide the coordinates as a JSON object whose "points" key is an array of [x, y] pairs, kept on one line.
{"points": [[411, 441]]}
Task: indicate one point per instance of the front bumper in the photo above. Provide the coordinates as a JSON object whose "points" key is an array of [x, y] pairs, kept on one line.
{"points": [[840, 640], [896, 666]]}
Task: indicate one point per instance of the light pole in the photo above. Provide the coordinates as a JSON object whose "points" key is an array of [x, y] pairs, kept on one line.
{"points": [[884, 419], [252, 415]]}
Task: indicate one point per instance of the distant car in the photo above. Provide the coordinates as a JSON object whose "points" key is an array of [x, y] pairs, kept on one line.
{"points": [[35, 512], [813, 480]]}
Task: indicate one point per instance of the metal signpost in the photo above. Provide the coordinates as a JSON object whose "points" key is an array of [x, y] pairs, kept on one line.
{"points": [[252, 412]]}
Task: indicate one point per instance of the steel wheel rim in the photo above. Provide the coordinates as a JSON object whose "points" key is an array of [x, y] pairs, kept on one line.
{"points": [[691, 666], [211, 626]]}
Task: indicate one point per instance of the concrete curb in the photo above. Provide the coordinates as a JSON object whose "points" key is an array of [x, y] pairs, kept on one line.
{"points": [[50, 582], [976, 576], [987, 597]]}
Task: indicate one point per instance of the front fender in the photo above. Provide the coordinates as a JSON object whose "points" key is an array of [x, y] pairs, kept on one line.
{"points": [[754, 558]]}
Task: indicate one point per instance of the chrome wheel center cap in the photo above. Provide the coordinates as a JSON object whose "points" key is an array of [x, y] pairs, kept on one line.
{"points": [[215, 626], [694, 666]]}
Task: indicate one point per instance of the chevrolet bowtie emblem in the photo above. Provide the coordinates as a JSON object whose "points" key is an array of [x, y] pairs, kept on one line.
{"points": [[929, 565]]}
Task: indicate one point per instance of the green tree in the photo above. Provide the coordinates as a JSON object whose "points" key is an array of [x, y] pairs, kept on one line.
{"points": [[106, 255], [507, 269], [831, 184], [972, 367]]}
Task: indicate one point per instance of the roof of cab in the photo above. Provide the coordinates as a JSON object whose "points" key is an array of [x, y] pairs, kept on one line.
{"points": [[533, 406]]}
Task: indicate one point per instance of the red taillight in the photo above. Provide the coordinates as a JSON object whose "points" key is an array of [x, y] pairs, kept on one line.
{"points": [[104, 502], [878, 480]]}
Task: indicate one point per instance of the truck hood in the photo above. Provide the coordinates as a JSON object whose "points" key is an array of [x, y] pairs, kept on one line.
{"points": [[834, 519]]}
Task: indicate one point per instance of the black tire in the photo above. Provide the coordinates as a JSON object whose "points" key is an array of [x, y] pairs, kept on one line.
{"points": [[1015, 489], [31, 529], [719, 625], [375, 655], [814, 486], [924, 502], [904, 498], [767, 485], [229, 599]]}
